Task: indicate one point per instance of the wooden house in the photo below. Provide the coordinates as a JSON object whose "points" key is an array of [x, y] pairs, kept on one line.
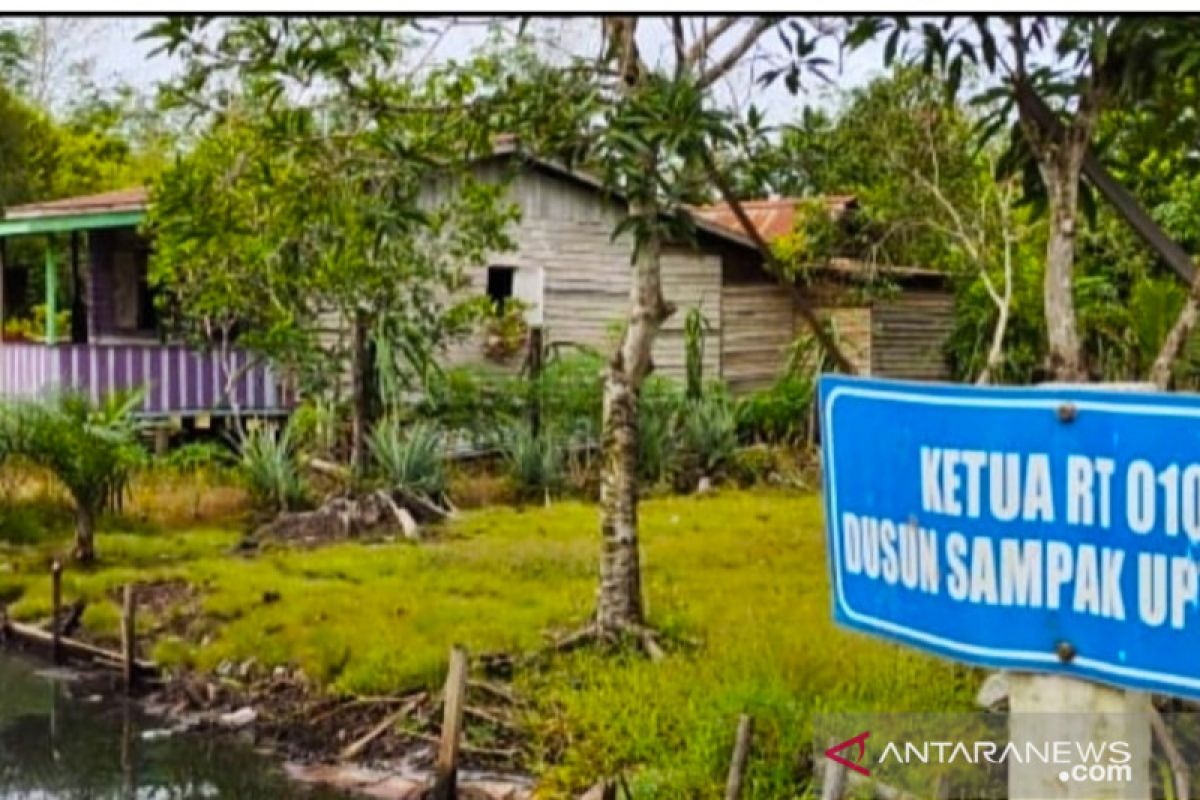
{"points": [[573, 276], [114, 340]]}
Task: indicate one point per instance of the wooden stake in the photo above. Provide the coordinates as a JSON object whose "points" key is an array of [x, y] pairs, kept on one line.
{"points": [[128, 639], [56, 619], [834, 785], [446, 772], [741, 751]]}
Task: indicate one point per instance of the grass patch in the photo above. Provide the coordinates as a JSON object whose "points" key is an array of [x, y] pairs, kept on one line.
{"points": [[742, 572]]}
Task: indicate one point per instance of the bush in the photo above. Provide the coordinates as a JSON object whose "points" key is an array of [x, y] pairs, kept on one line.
{"points": [[781, 414], [571, 389], [91, 449], [316, 427], [706, 439], [196, 457], [536, 464], [658, 416], [474, 400], [411, 458], [268, 465]]}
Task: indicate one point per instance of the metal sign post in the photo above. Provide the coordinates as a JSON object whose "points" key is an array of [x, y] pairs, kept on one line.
{"points": [[1048, 530]]}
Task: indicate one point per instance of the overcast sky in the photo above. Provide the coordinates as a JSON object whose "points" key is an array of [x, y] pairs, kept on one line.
{"points": [[118, 56]]}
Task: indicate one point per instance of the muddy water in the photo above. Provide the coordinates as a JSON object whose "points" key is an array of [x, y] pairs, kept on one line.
{"points": [[56, 742]]}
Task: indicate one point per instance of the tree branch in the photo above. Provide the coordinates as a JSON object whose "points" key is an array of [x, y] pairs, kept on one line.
{"points": [[802, 304], [727, 62], [699, 49], [1177, 338]]}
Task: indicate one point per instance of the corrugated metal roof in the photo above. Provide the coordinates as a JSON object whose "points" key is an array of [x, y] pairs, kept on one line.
{"points": [[123, 200], [774, 217]]}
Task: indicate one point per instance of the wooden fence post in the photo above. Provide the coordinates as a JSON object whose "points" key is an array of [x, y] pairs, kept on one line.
{"points": [[741, 751], [56, 620], [834, 785], [454, 702], [128, 639]]}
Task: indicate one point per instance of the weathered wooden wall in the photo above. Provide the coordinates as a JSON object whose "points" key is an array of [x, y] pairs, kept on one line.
{"points": [[565, 231], [909, 334], [758, 326]]}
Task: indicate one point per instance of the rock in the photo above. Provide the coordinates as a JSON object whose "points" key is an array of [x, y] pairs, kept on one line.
{"points": [[238, 719], [280, 673], [993, 694]]}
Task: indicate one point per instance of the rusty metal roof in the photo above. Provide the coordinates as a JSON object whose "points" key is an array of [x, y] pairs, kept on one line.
{"points": [[774, 217], [123, 200]]}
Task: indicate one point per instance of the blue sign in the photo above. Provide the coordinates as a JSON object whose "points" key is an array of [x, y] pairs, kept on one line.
{"points": [[1045, 529]]}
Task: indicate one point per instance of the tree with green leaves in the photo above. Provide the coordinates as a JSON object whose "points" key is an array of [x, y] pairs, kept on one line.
{"points": [[352, 207], [660, 140], [1057, 75], [90, 448]]}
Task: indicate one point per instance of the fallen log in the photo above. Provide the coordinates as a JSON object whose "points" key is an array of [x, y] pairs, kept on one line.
{"points": [[71, 648]]}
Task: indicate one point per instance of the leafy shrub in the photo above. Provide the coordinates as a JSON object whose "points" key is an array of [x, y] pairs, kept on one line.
{"points": [[658, 416], [90, 448], [197, 457], [536, 464], [410, 458], [706, 439], [571, 390], [268, 465], [475, 400], [316, 427], [781, 414]]}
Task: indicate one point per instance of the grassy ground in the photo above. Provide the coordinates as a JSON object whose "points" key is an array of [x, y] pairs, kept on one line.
{"points": [[742, 572]]}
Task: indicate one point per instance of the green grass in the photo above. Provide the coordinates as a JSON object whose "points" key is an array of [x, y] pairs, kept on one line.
{"points": [[742, 572]]}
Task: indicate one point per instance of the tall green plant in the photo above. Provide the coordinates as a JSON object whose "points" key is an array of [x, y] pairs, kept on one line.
{"points": [[90, 448], [536, 464], [695, 326], [268, 465], [412, 458]]}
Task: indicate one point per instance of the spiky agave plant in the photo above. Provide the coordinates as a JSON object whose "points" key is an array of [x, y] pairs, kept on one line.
{"points": [[411, 458], [267, 459]]}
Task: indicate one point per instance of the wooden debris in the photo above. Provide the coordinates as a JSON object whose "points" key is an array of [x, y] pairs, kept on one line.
{"points": [[71, 648], [356, 748], [129, 639], [1179, 766], [741, 752], [834, 785], [455, 697]]}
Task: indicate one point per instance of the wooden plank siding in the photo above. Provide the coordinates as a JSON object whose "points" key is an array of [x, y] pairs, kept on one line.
{"points": [[909, 333], [566, 230], [758, 325]]}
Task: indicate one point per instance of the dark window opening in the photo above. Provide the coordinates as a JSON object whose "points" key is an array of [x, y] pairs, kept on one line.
{"points": [[500, 285]]}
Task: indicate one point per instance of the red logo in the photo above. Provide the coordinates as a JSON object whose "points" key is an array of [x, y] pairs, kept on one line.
{"points": [[861, 741]]}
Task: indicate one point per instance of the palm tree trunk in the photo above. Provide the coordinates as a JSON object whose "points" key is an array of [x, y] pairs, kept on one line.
{"points": [[85, 534]]}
